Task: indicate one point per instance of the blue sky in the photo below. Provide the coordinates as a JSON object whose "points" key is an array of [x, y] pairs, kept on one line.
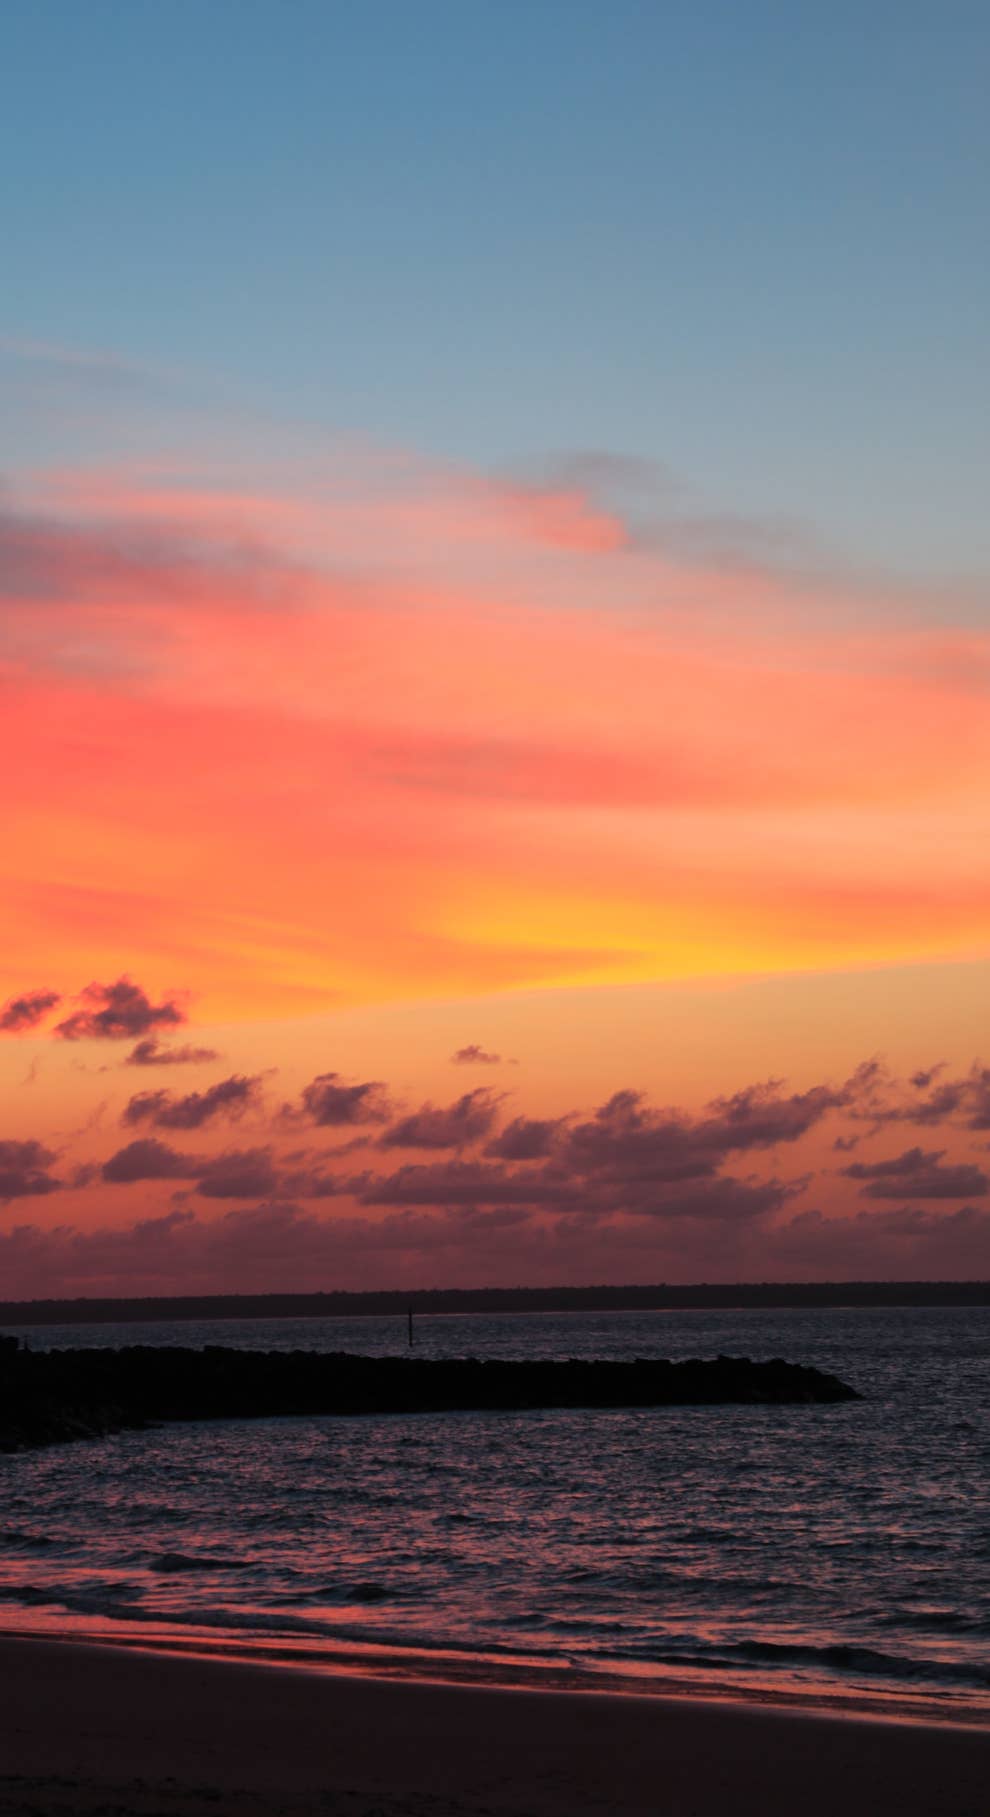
{"points": [[745, 240]]}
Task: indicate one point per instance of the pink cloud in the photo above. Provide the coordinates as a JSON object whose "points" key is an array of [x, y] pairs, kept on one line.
{"points": [[470, 734]]}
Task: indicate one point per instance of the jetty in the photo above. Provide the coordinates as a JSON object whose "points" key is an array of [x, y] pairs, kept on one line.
{"points": [[50, 1396]]}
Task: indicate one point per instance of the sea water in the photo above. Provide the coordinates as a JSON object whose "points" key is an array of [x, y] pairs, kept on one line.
{"points": [[836, 1551]]}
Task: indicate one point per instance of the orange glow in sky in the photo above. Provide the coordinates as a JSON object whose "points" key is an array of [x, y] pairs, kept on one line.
{"points": [[290, 748]]}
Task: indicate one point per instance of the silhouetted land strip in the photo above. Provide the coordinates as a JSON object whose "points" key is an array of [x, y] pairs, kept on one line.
{"points": [[50, 1396], [657, 1298]]}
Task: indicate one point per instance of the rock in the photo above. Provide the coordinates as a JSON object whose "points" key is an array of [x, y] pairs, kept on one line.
{"points": [[50, 1396]]}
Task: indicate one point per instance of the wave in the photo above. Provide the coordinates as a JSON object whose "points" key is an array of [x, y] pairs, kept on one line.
{"points": [[837, 1657], [169, 1562], [938, 1621], [583, 1648]]}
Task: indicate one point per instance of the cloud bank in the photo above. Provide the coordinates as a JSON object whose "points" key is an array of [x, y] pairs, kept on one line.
{"points": [[746, 1185]]}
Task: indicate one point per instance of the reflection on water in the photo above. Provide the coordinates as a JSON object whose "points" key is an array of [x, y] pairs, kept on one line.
{"points": [[844, 1545]]}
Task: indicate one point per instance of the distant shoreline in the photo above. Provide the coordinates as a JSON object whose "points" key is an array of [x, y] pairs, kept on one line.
{"points": [[395, 1302]]}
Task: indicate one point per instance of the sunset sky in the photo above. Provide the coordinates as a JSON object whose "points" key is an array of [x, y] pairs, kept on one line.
{"points": [[494, 645]]}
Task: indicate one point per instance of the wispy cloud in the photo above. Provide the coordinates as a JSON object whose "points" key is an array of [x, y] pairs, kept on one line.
{"points": [[369, 727], [22, 1014], [227, 1100], [25, 1170], [152, 1052]]}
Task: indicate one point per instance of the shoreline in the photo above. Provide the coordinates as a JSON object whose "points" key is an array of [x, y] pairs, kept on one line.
{"points": [[90, 1728], [367, 1660]]}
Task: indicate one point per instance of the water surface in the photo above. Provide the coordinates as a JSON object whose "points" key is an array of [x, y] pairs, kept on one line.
{"points": [[822, 1550]]}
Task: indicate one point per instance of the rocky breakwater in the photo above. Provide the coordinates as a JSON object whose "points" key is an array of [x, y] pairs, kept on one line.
{"points": [[49, 1396]]}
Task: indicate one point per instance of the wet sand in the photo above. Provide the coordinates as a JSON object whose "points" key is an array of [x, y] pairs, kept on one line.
{"points": [[100, 1732]]}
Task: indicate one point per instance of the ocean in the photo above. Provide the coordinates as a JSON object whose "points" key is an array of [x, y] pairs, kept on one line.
{"points": [[836, 1554]]}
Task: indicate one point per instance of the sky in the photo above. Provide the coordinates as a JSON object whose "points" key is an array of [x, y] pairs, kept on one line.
{"points": [[494, 645]]}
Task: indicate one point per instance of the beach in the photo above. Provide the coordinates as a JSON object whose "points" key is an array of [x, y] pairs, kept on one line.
{"points": [[101, 1731]]}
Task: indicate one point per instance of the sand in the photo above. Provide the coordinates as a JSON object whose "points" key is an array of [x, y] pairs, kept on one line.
{"points": [[100, 1730]]}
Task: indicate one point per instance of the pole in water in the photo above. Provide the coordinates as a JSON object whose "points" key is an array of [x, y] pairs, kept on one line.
{"points": [[410, 1326]]}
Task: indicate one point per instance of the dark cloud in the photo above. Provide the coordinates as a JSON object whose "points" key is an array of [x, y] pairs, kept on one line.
{"points": [[117, 1012], [903, 1244], [918, 1174], [229, 1098], [86, 1173], [760, 1116], [144, 1107], [628, 1191], [553, 1190], [259, 1173], [240, 1174], [446, 1126], [19, 1014], [623, 1136], [330, 1102], [626, 1160], [913, 1161], [271, 1245], [922, 1080], [941, 1105], [150, 1052], [274, 1245], [976, 1098], [453, 1183], [310, 1180], [930, 1101], [724, 1198], [473, 1055], [24, 1171], [627, 1140], [526, 1139], [148, 1159]]}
